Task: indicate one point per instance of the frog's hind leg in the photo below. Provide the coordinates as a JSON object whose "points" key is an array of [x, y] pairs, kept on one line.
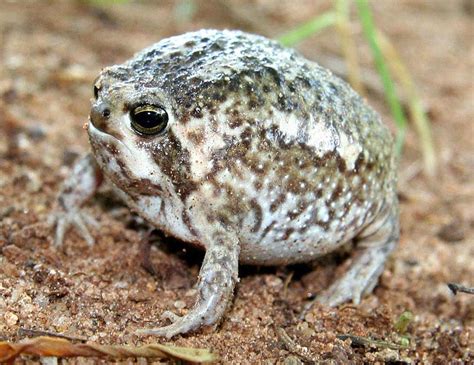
{"points": [[374, 245]]}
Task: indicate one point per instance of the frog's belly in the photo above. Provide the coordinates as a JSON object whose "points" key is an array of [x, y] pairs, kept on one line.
{"points": [[288, 236], [298, 248], [295, 232]]}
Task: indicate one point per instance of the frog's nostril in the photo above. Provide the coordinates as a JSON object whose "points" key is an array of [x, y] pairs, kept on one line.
{"points": [[100, 112], [106, 113]]}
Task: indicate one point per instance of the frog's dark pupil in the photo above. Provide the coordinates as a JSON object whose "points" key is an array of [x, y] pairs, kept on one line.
{"points": [[149, 120]]}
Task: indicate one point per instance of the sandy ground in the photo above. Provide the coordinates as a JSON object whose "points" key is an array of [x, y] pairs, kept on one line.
{"points": [[50, 53]]}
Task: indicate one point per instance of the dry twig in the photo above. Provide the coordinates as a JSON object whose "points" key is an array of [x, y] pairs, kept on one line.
{"points": [[293, 347], [455, 288], [358, 341]]}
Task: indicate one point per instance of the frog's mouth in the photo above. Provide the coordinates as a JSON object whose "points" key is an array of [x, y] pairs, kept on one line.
{"points": [[129, 168], [111, 154], [97, 135]]}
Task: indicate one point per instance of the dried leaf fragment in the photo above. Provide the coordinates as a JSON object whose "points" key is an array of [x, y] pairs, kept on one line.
{"points": [[59, 347]]}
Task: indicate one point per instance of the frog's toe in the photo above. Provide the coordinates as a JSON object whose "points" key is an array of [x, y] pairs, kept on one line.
{"points": [[90, 221], [335, 295], [171, 316], [167, 331], [62, 221], [79, 221], [179, 325], [352, 286]]}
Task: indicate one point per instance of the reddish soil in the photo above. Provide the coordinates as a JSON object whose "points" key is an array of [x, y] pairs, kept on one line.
{"points": [[50, 53]]}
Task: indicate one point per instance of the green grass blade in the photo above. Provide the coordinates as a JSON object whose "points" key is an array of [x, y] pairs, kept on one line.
{"points": [[370, 32], [307, 29], [417, 113]]}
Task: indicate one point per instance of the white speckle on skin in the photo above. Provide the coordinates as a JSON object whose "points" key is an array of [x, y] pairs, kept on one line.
{"points": [[288, 125], [323, 213], [153, 205], [321, 137]]}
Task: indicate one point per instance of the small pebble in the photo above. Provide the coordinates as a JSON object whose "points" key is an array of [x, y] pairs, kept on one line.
{"points": [[69, 156], [452, 232], [179, 304], [138, 296], [36, 132], [11, 319]]}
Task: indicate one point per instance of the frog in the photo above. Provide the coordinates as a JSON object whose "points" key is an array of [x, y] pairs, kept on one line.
{"points": [[233, 143]]}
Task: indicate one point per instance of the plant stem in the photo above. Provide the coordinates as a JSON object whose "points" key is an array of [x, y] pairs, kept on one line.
{"points": [[417, 113], [348, 47], [393, 101]]}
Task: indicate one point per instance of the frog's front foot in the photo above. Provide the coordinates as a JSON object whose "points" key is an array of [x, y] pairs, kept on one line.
{"points": [[195, 319], [217, 279], [80, 185], [62, 220]]}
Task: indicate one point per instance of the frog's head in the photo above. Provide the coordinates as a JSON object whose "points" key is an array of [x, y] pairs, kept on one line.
{"points": [[132, 136], [183, 111]]}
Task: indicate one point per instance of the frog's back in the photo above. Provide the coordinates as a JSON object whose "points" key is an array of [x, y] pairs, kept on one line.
{"points": [[245, 79], [289, 152]]}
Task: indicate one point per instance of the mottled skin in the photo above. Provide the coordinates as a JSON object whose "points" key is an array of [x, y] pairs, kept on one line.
{"points": [[267, 158]]}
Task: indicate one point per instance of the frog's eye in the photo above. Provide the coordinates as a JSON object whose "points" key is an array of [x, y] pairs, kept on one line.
{"points": [[149, 119]]}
